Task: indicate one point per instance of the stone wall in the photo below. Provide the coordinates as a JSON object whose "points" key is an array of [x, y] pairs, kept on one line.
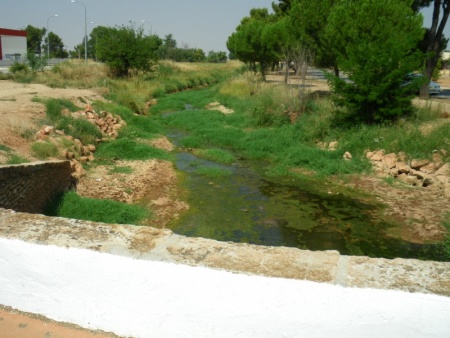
{"points": [[29, 187], [162, 245]]}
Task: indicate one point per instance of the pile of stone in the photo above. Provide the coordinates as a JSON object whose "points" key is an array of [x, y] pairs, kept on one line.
{"points": [[433, 174], [106, 122], [72, 148]]}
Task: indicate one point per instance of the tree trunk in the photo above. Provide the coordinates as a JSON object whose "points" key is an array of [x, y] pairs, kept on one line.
{"points": [[336, 70], [434, 39]]}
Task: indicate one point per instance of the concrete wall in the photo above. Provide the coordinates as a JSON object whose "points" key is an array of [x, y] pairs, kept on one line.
{"points": [[147, 282], [30, 187], [14, 47]]}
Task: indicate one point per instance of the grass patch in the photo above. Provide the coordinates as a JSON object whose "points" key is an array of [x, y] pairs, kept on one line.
{"points": [[71, 205], [16, 159], [126, 149], [120, 170], [44, 150], [5, 148], [213, 172], [217, 155]]}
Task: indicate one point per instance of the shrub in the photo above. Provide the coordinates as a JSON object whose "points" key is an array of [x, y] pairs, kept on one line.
{"points": [[18, 67]]}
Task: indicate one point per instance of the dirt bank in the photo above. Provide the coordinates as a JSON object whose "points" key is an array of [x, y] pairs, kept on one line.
{"points": [[419, 210]]}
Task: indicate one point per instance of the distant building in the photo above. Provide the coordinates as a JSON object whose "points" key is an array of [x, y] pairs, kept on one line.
{"points": [[13, 44], [445, 55]]}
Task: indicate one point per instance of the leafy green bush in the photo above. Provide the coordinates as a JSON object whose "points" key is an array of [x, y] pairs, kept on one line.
{"points": [[377, 61], [19, 67], [71, 205]]}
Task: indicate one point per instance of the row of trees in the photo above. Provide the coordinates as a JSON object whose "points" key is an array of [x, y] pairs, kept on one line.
{"points": [[124, 40], [375, 42]]}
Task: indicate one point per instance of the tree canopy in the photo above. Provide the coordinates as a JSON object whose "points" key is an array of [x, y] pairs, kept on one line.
{"points": [[126, 48], [34, 39], [376, 52]]}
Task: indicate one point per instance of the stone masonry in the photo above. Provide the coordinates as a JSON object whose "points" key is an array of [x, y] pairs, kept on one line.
{"points": [[30, 187]]}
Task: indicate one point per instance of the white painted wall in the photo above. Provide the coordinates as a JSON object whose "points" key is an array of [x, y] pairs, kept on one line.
{"points": [[154, 299], [14, 45]]}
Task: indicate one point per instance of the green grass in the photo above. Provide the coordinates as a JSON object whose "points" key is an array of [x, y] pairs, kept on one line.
{"points": [[5, 148], [44, 150], [213, 172], [16, 159], [120, 170], [126, 149], [71, 205], [217, 155]]}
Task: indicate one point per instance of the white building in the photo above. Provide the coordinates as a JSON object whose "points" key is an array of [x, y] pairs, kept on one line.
{"points": [[13, 44]]}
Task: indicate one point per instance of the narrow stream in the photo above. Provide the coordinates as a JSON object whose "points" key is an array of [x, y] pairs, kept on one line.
{"points": [[247, 207]]}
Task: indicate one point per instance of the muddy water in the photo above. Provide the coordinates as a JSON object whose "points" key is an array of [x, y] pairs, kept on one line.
{"points": [[248, 207]]}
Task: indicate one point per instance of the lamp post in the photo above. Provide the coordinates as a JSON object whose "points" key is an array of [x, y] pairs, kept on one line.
{"points": [[151, 28], [85, 28], [48, 38]]}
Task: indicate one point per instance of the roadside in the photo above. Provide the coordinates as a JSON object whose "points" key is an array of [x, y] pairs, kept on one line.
{"points": [[18, 324]]}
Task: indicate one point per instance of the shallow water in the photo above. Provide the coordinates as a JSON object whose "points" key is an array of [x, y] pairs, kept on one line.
{"points": [[247, 207]]}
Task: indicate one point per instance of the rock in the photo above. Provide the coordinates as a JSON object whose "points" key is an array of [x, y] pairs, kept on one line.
{"points": [[403, 168], [347, 156], [444, 170], [369, 154], [333, 145], [47, 129], [402, 156], [91, 148], [322, 145], [89, 109], [447, 190], [390, 161], [417, 164], [408, 179], [429, 168]]}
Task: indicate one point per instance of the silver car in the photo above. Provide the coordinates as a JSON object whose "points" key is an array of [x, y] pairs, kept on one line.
{"points": [[434, 87]]}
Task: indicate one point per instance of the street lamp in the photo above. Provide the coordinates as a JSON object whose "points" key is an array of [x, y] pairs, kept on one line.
{"points": [[151, 28], [85, 28], [48, 38]]}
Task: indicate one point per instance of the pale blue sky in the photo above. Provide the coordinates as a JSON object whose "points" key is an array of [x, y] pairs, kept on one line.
{"points": [[204, 24]]}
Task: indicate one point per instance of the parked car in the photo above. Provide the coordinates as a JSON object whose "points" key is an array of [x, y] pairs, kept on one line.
{"points": [[434, 87]]}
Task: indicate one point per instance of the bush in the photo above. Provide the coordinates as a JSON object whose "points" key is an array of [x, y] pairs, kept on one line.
{"points": [[18, 67]]}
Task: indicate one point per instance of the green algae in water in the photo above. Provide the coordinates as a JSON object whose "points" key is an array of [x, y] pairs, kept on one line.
{"points": [[246, 207]]}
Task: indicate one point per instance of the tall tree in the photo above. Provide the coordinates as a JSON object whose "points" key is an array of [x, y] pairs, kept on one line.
{"points": [[247, 43], [375, 42], [34, 39], [127, 48], [57, 49], [434, 39], [309, 19]]}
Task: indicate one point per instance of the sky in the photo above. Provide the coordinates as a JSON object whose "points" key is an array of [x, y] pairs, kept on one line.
{"points": [[204, 24]]}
